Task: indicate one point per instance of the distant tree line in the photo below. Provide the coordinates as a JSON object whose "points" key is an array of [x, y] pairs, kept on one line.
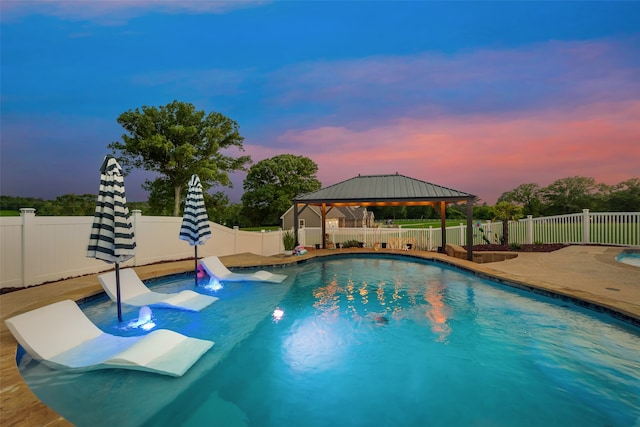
{"points": [[272, 184], [564, 196], [66, 205], [572, 194]]}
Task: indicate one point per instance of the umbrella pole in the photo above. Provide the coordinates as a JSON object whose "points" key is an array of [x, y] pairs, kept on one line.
{"points": [[118, 292], [195, 262]]}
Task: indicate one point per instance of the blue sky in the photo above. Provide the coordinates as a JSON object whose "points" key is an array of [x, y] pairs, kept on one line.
{"points": [[476, 96]]}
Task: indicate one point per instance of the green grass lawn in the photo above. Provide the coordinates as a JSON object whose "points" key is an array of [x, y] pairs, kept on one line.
{"points": [[425, 223], [265, 227], [9, 213]]}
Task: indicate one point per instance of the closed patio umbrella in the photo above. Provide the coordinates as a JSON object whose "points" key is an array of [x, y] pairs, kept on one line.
{"points": [[112, 239], [195, 222]]}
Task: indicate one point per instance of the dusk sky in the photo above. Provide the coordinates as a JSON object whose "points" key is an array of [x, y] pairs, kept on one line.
{"points": [[476, 96]]}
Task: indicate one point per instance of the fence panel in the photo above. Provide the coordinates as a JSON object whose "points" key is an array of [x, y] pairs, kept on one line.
{"points": [[157, 239], [40, 249], [11, 252], [612, 228], [59, 245], [393, 238]]}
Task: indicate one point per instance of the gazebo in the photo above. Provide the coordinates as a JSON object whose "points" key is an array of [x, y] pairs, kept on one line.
{"points": [[387, 190]]}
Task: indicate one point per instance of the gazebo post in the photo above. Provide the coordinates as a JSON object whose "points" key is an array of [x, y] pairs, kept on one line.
{"points": [[324, 225], [470, 229], [443, 226], [295, 222]]}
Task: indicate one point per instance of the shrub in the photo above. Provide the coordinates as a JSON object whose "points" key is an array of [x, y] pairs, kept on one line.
{"points": [[288, 240], [351, 244]]}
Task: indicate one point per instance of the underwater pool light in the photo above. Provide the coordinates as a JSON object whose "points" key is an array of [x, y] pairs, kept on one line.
{"points": [[277, 314], [213, 285], [144, 320]]}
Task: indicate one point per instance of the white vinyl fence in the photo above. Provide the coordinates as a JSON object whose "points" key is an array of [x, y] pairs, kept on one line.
{"points": [[611, 228], [35, 250]]}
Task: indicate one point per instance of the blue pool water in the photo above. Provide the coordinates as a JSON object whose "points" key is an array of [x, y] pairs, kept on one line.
{"points": [[364, 341], [630, 256]]}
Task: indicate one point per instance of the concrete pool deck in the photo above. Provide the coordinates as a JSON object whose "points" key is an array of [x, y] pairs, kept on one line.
{"points": [[589, 274]]}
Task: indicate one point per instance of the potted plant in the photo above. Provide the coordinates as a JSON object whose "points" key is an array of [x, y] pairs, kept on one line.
{"points": [[289, 241]]}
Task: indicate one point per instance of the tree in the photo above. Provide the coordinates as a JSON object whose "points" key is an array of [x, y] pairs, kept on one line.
{"points": [[506, 212], [216, 204], [569, 195], [234, 216], [70, 205], [483, 211], [176, 141], [161, 197], [421, 212], [388, 212], [272, 184], [623, 197], [525, 195], [13, 203], [455, 211]]}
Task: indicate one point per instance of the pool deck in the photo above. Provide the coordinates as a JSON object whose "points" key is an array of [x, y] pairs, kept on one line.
{"points": [[588, 274]]}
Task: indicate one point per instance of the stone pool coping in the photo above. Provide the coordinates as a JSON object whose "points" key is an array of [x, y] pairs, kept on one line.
{"points": [[588, 275]]}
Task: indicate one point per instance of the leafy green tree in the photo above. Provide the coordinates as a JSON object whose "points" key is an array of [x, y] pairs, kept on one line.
{"points": [[623, 197], [455, 211], [176, 141], [383, 213], [234, 215], [217, 205], [483, 211], [141, 206], [272, 184], [569, 195], [161, 201], [161, 197], [421, 212], [526, 195], [70, 205], [14, 203], [505, 212]]}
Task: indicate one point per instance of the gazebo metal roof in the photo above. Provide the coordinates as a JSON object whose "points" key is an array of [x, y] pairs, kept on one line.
{"points": [[370, 190]]}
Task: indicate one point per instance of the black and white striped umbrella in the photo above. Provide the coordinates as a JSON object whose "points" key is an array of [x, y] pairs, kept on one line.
{"points": [[112, 239], [195, 222]]}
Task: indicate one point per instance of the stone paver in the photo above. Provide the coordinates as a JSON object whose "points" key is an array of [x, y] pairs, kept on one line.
{"points": [[586, 273]]}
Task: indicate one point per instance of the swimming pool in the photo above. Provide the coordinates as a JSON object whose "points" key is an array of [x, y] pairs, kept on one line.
{"points": [[367, 341], [630, 256]]}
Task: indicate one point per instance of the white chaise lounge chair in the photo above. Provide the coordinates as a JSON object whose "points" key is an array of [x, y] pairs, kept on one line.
{"points": [[62, 337], [134, 292], [215, 268]]}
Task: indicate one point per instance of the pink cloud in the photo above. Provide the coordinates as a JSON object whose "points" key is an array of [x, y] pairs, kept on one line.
{"points": [[481, 154], [555, 72]]}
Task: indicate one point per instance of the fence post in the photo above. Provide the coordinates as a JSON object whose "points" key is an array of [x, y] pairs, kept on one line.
{"points": [[136, 214], [28, 245], [235, 239], [586, 226], [461, 234], [430, 244], [529, 227]]}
